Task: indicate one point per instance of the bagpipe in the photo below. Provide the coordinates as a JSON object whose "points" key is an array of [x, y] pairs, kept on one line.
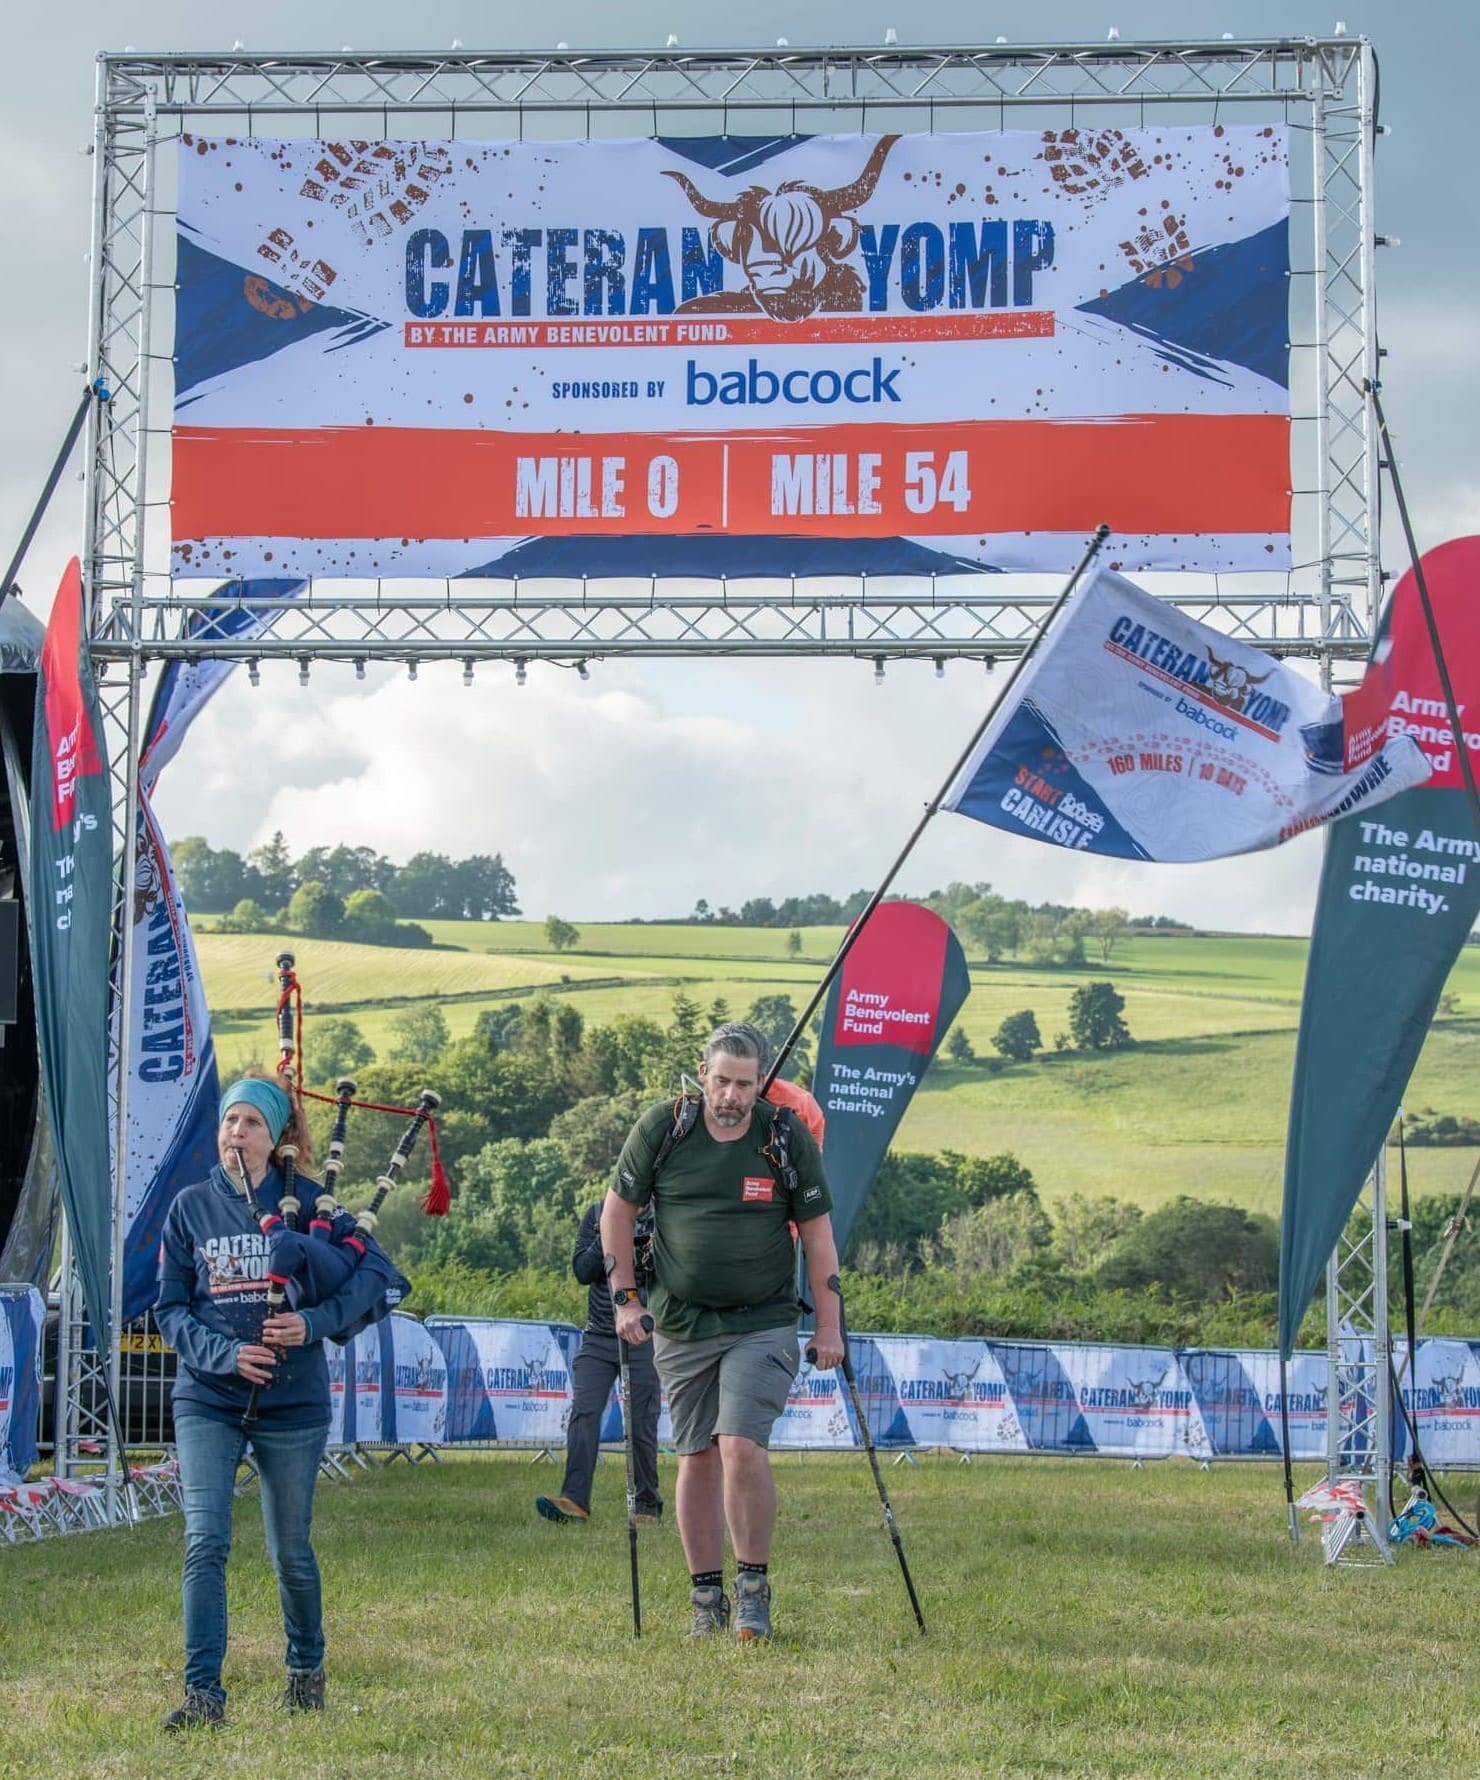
{"points": [[307, 1267]]}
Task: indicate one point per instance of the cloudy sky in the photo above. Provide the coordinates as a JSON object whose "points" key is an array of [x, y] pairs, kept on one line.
{"points": [[649, 786]]}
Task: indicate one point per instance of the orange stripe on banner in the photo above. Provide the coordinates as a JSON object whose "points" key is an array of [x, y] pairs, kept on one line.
{"points": [[1155, 474], [735, 330]]}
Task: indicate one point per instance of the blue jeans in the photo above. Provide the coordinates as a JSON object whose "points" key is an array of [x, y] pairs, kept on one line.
{"points": [[288, 1466]]}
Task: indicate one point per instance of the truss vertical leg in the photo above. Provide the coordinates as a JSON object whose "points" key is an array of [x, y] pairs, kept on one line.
{"points": [[1358, 1351]]}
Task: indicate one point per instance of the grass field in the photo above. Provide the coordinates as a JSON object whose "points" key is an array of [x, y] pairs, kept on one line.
{"points": [[1198, 1105], [1084, 1620]]}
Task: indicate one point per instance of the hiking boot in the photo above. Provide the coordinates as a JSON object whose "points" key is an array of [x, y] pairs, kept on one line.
{"points": [[711, 1611], [560, 1508], [648, 1514], [305, 1690], [752, 1606], [199, 1708]]}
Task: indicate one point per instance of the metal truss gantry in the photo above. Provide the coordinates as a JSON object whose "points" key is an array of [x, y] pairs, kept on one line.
{"points": [[1324, 608]]}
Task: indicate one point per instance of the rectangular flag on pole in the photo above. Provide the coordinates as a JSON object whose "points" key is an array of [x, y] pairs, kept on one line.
{"points": [[1138, 733]]}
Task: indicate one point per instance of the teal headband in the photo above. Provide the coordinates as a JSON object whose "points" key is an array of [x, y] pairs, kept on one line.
{"points": [[268, 1098]]}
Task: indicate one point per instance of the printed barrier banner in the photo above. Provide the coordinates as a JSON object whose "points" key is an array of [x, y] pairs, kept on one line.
{"points": [[1400, 891], [451, 1380], [1139, 733], [358, 1378], [1443, 1394], [732, 356], [506, 1381], [1236, 1397], [889, 1007], [22, 1316]]}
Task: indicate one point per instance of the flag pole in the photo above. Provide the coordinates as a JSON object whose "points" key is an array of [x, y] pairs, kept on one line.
{"points": [[851, 937]]}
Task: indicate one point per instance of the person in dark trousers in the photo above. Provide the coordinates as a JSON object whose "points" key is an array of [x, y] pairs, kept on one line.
{"points": [[212, 1311], [595, 1367]]}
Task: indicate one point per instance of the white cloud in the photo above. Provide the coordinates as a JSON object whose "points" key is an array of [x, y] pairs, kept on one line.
{"points": [[643, 790]]}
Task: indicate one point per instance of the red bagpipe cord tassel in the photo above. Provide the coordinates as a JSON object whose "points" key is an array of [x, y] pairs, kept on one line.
{"points": [[437, 1201]]}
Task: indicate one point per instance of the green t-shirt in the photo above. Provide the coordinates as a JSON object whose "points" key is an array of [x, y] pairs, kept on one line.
{"points": [[722, 1246]]}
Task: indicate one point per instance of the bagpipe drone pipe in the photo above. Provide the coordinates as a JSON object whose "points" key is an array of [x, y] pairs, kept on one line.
{"points": [[306, 1268]]}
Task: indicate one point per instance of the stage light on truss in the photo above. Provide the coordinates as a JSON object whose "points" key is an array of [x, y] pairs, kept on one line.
{"points": [[254, 672], [410, 670], [468, 671], [303, 670], [878, 670], [940, 667], [521, 673], [359, 667], [583, 670]]}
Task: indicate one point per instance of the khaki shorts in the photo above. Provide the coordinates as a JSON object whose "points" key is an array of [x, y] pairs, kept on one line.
{"points": [[726, 1384]]}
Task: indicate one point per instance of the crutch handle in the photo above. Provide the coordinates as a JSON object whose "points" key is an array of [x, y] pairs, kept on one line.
{"points": [[647, 1325]]}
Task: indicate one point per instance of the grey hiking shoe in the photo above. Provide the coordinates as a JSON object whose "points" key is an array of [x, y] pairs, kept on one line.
{"points": [[305, 1690], [199, 1708], [752, 1606], [711, 1611]]}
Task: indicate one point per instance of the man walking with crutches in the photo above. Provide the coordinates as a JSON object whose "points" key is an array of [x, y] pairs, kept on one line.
{"points": [[728, 1175]]}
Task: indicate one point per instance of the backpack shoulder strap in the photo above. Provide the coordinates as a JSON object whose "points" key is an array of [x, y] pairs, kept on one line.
{"points": [[685, 1112], [777, 1148]]}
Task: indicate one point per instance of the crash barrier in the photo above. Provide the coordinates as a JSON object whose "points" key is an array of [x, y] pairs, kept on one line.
{"points": [[456, 1381], [404, 1386]]}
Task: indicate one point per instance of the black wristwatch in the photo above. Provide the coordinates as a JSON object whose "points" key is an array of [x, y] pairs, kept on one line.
{"points": [[625, 1295]]}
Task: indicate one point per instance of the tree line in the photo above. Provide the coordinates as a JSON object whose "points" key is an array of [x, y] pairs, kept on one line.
{"points": [[988, 925], [351, 893]]}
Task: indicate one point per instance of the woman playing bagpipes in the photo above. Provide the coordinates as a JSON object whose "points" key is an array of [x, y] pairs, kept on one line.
{"points": [[252, 1372]]}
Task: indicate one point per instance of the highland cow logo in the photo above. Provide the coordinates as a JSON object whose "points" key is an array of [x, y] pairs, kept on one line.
{"points": [[792, 244], [1447, 1392], [958, 1384], [1230, 684]]}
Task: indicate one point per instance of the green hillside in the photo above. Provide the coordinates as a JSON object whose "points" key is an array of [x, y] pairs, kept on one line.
{"points": [[1197, 1105]]}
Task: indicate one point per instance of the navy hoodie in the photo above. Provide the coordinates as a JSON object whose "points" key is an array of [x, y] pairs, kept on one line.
{"points": [[213, 1298]]}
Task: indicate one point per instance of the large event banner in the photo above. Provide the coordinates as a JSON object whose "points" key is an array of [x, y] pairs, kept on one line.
{"points": [[732, 356], [1138, 733], [22, 1317], [889, 1007], [1399, 895]]}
